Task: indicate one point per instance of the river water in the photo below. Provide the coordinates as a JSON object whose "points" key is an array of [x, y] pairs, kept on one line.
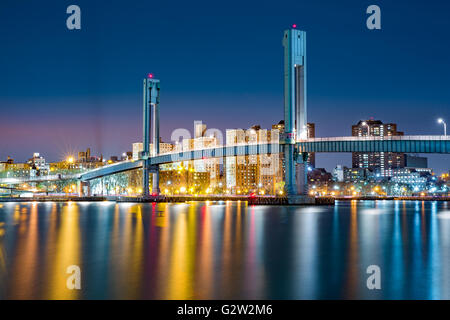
{"points": [[224, 250]]}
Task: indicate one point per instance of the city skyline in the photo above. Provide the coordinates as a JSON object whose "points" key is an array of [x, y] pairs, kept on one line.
{"points": [[86, 90], [255, 151]]}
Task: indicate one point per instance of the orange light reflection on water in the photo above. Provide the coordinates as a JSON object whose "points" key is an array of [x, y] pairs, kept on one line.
{"points": [[67, 253]]}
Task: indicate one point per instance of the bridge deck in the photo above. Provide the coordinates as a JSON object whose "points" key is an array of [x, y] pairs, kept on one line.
{"points": [[403, 144], [111, 169]]}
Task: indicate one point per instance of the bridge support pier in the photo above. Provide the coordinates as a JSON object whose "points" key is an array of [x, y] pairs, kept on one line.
{"points": [[296, 177], [145, 180], [290, 176], [84, 188], [155, 188], [301, 178], [155, 142]]}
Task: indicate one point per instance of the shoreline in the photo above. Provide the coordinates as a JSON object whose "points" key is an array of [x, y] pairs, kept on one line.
{"points": [[249, 199], [176, 199]]}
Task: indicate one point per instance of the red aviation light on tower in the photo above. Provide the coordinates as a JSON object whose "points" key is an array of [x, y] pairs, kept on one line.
{"points": [[150, 75], [294, 26]]}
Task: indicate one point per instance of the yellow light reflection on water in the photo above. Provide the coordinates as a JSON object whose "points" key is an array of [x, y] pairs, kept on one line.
{"points": [[353, 272], [161, 223], [126, 251], [2, 256], [204, 269], [67, 253], [181, 266], [133, 236], [227, 250], [2, 252], [25, 263]]}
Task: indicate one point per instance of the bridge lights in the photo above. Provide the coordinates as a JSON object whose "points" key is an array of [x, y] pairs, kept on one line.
{"points": [[440, 120]]}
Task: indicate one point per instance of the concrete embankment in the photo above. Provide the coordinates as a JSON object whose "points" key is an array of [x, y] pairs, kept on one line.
{"points": [[251, 200], [265, 200], [420, 198]]}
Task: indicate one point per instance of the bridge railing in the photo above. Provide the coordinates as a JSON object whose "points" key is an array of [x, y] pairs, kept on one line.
{"points": [[55, 177], [217, 152], [401, 144], [379, 138]]}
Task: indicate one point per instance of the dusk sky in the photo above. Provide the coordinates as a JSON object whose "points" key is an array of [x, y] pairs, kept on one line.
{"points": [[221, 62]]}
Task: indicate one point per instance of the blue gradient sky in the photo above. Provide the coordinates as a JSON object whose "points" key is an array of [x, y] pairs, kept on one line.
{"points": [[220, 62]]}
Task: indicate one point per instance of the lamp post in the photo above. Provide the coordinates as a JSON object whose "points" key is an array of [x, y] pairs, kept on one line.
{"points": [[440, 120], [368, 129], [70, 160]]}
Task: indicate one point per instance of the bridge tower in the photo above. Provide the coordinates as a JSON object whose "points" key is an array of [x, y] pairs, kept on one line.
{"points": [[151, 110], [295, 121]]}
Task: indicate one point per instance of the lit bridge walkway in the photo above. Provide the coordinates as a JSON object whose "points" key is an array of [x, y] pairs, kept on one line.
{"points": [[403, 144], [45, 178]]}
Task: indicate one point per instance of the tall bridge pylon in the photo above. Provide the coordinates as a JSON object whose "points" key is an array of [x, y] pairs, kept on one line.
{"points": [[295, 111], [151, 111]]}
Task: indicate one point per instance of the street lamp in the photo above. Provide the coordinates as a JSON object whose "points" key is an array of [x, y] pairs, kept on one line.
{"points": [[368, 129], [440, 120], [70, 160]]}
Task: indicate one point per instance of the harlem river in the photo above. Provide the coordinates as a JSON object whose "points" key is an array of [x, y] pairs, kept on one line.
{"points": [[224, 250]]}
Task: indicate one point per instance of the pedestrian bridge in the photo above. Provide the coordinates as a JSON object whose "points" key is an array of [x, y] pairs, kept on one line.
{"points": [[53, 177], [403, 144]]}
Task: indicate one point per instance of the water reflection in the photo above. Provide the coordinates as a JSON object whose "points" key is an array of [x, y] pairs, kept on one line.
{"points": [[225, 250]]}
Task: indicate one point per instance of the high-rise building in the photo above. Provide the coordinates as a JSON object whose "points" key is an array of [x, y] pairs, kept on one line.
{"points": [[253, 173], [183, 180], [381, 162], [84, 156], [338, 173], [163, 148], [311, 127], [38, 163], [415, 162], [201, 141], [200, 129]]}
